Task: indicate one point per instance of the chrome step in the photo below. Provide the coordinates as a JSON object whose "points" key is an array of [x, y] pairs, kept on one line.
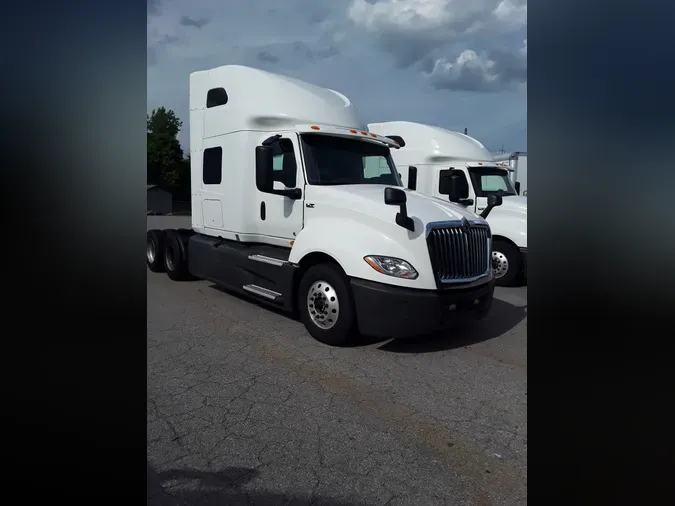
{"points": [[262, 292], [267, 260]]}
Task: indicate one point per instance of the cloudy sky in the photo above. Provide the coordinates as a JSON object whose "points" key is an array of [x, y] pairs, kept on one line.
{"points": [[451, 63]]}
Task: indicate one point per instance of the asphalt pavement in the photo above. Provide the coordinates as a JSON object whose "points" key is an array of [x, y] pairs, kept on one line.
{"points": [[244, 407]]}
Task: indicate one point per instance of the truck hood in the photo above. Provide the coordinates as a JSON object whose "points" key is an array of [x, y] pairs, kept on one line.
{"points": [[369, 200], [513, 206], [510, 220]]}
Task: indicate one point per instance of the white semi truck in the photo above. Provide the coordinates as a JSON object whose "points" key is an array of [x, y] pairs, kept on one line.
{"points": [[287, 209], [517, 162], [430, 154]]}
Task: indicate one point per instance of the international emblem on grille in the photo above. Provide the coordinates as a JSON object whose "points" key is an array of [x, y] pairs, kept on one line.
{"points": [[465, 223]]}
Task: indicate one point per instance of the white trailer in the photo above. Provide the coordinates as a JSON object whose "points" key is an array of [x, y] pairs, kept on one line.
{"points": [[517, 161], [296, 204], [430, 154]]}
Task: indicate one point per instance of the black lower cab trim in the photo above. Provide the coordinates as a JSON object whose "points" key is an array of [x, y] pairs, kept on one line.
{"points": [[394, 312], [523, 255], [257, 270]]}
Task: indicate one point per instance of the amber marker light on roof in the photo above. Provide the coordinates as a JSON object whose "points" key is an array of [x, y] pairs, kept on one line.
{"points": [[314, 127]]}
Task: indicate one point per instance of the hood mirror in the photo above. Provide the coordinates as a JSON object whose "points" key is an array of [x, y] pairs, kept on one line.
{"points": [[397, 197]]}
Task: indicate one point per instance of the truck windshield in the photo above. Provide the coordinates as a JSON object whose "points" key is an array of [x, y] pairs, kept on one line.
{"points": [[333, 160], [488, 181]]}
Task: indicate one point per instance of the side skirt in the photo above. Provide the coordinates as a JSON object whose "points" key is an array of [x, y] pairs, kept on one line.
{"points": [[260, 271]]}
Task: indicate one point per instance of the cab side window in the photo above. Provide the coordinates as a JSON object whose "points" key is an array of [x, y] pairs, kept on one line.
{"points": [[493, 183], [284, 164], [375, 166]]}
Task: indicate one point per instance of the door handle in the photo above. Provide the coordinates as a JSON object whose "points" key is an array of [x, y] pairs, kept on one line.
{"points": [[263, 211]]}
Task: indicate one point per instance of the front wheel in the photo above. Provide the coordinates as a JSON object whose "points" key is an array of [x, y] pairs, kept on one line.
{"points": [[326, 305], [505, 263]]}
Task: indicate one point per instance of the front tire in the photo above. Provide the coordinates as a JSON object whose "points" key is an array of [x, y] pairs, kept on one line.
{"points": [[505, 263], [326, 305]]}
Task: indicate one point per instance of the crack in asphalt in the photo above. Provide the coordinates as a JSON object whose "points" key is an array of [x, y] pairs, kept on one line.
{"points": [[359, 412]]}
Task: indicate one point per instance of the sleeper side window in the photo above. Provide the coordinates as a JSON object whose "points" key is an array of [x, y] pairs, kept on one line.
{"points": [[216, 97], [212, 168], [441, 175]]}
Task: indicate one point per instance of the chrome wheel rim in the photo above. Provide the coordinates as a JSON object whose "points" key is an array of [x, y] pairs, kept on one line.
{"points": [[170, 262], [500, 264], [323, 305], [151, 250]]}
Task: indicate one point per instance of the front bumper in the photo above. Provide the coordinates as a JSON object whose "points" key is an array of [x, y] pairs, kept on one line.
{"points": [[523, 255], [394, 312]]}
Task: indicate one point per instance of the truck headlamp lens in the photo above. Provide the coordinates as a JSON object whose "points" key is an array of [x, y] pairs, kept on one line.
{"points": [[391, 266]]}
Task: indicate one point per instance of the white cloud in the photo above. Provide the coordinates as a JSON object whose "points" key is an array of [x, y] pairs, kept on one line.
{"points": [[510, 13], [487, 71], [469, 71], [401, 15], [410, 29], [458, 16]]}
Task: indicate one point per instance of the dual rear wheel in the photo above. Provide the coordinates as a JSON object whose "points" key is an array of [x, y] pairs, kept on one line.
{"points": [[324, 297], [166, 252]]}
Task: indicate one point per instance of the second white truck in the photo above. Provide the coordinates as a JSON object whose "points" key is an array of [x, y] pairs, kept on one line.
{"points": [[430, 155], [297, 205], [517, 162]]}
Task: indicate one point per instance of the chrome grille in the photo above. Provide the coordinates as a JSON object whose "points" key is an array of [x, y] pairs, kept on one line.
{"points": [[459, 253]]}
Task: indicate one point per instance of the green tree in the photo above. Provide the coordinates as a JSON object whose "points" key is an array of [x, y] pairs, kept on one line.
{"points": [[164, 122], [165, 155], [182, 180]]}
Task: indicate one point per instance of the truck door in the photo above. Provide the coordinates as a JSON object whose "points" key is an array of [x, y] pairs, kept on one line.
{"points": [[281, 217], [470, 202], [488, 180]]}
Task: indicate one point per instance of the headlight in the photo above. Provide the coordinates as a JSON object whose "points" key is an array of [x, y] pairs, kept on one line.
{"points": [[391, 266]]}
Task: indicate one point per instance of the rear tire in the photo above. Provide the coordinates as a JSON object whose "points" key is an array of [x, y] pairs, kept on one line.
{"points": [[175, 258], [154, 250], [326, 305], [505, 263]]}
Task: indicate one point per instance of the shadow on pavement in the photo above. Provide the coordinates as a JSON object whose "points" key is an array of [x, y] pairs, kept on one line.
{"points": [[253, 300], [191, 487], [502, 318]]}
